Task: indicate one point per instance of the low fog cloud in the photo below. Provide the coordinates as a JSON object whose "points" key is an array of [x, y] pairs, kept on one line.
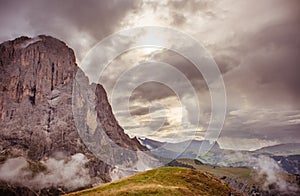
{"points": [[69, 173], [271, 174]]}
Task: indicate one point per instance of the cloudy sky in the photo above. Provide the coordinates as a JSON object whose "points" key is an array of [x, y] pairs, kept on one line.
{"points": [[255, 44]]}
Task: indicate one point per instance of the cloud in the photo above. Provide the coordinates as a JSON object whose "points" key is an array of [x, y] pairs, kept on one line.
{"points": [[267, 173], [79, 24], [271, 174], [267, 125], [261, 46], [178, 18], [256, 50], [139, 111], [191, 6], [69, 173]]}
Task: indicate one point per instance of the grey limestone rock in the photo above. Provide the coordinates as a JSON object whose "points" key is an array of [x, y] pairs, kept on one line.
{"points": [[36, 117]]}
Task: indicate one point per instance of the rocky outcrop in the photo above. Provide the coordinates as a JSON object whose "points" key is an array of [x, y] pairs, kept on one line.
{"points": [[99, 129], [36, 118], [35, 100], [107, 120]]}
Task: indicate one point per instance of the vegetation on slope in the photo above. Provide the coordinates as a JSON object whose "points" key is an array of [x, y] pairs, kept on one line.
{"points": [[163, 181], [241, 173]]}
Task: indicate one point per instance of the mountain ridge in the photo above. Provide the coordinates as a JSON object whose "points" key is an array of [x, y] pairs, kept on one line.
{"points": [[36, 117], [280, 148]]}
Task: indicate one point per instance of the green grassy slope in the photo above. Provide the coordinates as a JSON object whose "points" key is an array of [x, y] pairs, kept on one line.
{"points": [[243, 174], [163, 181]]}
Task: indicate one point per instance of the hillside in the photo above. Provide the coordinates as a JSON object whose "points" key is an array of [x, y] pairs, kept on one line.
{"points": [[249, 181], [163, 181], [241, 173]]}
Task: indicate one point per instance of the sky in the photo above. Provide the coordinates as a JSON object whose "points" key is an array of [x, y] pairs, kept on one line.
{"points": [[255, 45]]}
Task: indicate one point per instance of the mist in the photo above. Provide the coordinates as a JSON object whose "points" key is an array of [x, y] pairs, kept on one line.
{"points": [[69, 173], [268, 174], [272, 175]]}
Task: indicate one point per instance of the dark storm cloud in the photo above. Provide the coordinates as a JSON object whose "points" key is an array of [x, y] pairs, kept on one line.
{"points": [[152, 91], [139, 111], [178, 18], [185, 66], [68, 20], [226, 62], [268, 124], [281, 65], [270, 65], [282, 134], [255, 44], [191, 6], [257, 53], [257, 48]]}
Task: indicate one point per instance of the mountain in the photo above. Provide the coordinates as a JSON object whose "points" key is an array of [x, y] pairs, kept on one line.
{"points": [[186, 149], [287, 156], [289, 163], [163, 181], [37, 77], [281, 149], [151, 144]]}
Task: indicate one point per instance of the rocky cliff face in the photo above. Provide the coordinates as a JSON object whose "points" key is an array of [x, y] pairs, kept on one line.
{"points": [[113, 130], [35, 100], [36, 118]]}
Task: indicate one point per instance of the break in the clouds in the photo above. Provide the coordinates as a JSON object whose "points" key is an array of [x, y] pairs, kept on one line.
{"points": [[255, 45]]}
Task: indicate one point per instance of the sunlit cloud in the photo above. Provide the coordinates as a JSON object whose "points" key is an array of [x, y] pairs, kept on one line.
{"points": [[255, 45]]}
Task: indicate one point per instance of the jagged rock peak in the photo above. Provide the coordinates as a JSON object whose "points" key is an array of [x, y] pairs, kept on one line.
{"points": [[36, 119], [25, 50], [36, 79], [37, 76], [24, 41], [35, 66]]}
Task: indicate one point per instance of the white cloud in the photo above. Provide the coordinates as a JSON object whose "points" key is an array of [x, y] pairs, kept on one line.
{"points": [[70, 173]]}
